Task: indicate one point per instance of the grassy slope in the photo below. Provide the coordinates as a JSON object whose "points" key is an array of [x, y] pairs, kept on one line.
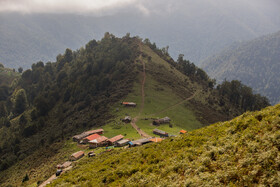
{"points": [[243, 151]]}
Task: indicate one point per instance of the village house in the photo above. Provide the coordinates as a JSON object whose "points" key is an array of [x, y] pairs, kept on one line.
{"points": [[122, 143], [98, 142], [126, 119], [183, 131], [113, 140], [156, 139], [161, 121], [129, 104], [77, 155], [160, 133], [79, 137], [64, 165], [139, 142], [89, 138]]}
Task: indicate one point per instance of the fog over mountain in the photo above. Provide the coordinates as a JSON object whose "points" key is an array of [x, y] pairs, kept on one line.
{"points": [[31, 31]]}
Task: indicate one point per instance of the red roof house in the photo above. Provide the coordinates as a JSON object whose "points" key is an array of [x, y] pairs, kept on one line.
{"points": [[113, 140], [90, 137], [98, 142]]}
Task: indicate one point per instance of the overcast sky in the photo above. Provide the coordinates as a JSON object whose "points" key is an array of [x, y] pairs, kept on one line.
{"points": [[105, 7]]}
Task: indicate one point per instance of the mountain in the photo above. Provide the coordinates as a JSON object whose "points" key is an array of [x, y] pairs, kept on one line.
{"points": [[197, 29], [255, 63], [83, 89], [241, 152]]}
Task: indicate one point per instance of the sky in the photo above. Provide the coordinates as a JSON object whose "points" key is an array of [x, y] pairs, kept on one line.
{"points": [[69, 6]]}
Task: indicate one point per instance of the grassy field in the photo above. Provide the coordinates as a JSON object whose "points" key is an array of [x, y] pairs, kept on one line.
{"points": [[240, 152]]}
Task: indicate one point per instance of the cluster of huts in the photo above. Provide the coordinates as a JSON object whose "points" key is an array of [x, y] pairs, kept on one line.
{"points": [[95, 139]]}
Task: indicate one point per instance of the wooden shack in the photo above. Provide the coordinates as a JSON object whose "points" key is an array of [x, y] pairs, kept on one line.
{"points": [[129, 104], [183, 131], [156, 139], [64, 165], [79, 137], [161, 121], [89, 138], [122, 143], [160, 133], [139, 142], [126, 119], [77, 155], [113, 140], [98, 142]]}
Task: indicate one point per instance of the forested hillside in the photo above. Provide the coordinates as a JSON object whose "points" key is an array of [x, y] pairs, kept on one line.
{"points": [[52, 101], [82, 90], [255, 63]]}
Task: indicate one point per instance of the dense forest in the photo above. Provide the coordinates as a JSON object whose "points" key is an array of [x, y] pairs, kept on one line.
{"points": [[52, 101], [255, 63]]}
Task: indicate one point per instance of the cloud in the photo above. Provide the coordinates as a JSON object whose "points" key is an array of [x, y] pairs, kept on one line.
{"points": [[63, 6]]}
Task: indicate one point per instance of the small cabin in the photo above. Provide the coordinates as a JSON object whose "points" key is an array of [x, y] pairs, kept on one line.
{"points": [[77, 155], [113, 140], [79, 137], [89, 138], [160, 133], [64, 165], [122, 143], [156, 139], [126, 119], [183, 131], [157, 122], [98, 142], [139, 142], [129, 104]]}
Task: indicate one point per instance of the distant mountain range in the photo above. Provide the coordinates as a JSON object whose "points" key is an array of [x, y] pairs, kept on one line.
{"points": [[197, 29], [256, 63]]}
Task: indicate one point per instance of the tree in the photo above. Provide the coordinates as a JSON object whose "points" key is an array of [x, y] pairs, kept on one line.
{"points": [[20, 69], [20, 101], [3, 110]]}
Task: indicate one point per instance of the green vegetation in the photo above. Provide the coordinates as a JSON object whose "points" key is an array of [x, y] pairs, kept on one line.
{"points": [[255, 63], [241, 152]]}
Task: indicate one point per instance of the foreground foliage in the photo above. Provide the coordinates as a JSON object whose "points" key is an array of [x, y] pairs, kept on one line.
{"points": [[242, 152]]}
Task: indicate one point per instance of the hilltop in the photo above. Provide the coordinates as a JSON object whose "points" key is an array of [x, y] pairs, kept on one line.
{"points": [[83, 90], [255, 63], [241, 152]]}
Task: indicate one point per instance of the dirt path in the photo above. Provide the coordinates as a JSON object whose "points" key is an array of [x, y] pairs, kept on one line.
{"points": [[53, 177], [173, 106], [48, 181], [140, 131], [134, 120]]}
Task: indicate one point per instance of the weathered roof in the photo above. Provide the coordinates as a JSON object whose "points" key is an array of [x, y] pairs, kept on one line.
{"points": [[92, 137], [116, 138], [128, 103], [80, 136], [99, 140], [156, 139], [123, 141], [159, 131], [66, 164], [141, 141], [94, 131], [183, 131], [78, 154], [127, 118]]}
